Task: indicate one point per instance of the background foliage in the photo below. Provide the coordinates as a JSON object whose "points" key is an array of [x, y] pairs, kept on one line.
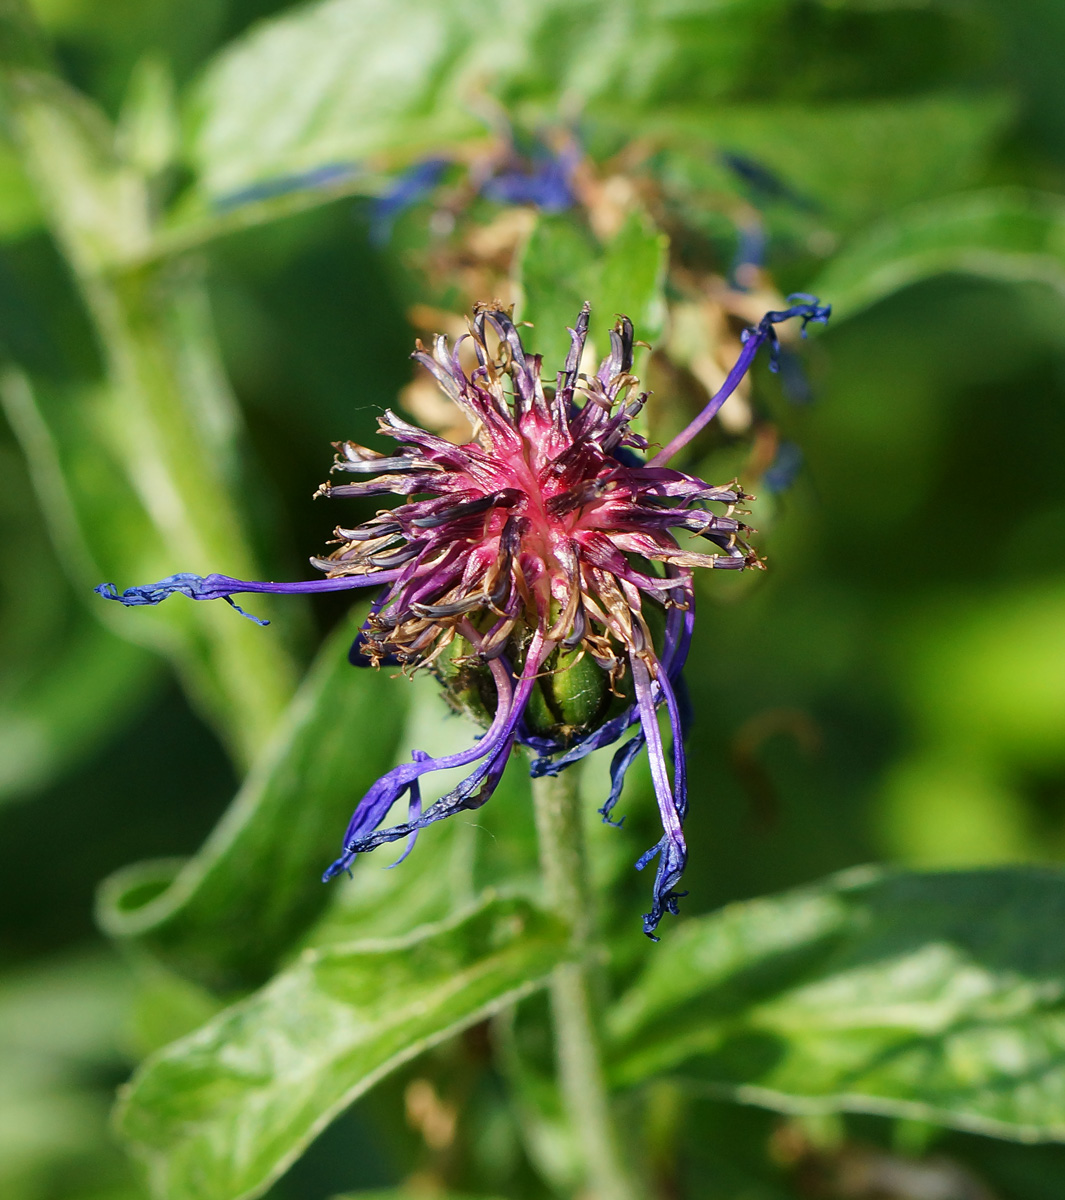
{"points": [[196, 298]]}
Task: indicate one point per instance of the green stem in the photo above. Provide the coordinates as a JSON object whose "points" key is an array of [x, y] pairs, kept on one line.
{"points": [[176, 427], [580, 1063]]}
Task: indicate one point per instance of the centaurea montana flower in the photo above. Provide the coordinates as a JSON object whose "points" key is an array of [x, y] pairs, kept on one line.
{"points": [[539, 543]]}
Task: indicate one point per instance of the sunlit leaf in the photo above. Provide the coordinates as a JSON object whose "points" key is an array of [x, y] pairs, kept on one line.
{"points": [[934, 996], [261, 867], [220, 1114], [326, 94], [1002, 234], [60, 1036]]}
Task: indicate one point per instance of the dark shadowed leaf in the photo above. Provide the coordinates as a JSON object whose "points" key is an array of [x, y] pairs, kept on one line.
{"points": [[220, 1114], [934, 996], [1005, 234], [90, 684], [261, 868], [67, 682]]}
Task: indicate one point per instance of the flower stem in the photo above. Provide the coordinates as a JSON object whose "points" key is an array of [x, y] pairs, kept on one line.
{"points": [[580, 1065]]}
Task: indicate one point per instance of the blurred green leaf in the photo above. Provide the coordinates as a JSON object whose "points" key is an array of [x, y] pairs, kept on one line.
{"points": [[90, 681], [261, 867], [562, 266], [173, 431], [327, 99], [1004, 234], [67, 682], [823, 158], [60, 1032], [983, 680], [19, 210], [148, 133], [102, 532], [94, 198], [342, 81], [406, 1194], [536, 1100], [165, 1007], [934, 996], [220, 1114], [70, 1008]]}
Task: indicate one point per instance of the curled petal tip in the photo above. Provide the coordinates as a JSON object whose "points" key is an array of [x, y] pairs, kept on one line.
{"points": [[339, 867], [196, 587], [153, 593], [808, 308]]}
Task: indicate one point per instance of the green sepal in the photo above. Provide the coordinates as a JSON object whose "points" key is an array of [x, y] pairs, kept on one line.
{"points": [[571, 698]]}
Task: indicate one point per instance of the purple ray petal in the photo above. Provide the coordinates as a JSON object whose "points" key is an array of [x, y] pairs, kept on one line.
{"points": [[671, 851], [494, 747], [222, 587], [809, 310]]}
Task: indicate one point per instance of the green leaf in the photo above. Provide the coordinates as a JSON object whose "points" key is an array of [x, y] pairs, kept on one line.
{"points": [[823, 155], [261, 867], [173, 430], [562, 266], [342, 81], [1004, 234], [60, 1037], [101, 531], [934, 996], [330, 98], [220, 1114], [67, 682], [19, 211], [89, 683], [148, 131], [405, 1194]]}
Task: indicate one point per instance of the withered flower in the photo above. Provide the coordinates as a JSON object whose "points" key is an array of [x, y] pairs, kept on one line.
{"points": [[542, 552]]}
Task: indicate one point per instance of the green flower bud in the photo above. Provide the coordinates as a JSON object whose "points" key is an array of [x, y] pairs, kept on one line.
{"points": [[571, 699]]}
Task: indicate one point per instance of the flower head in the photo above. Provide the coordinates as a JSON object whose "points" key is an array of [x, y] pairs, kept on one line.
{"points": [[545, 542]]}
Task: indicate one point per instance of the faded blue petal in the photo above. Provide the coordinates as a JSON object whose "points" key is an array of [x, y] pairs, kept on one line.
{"points": [[807, 308], [224, 587], [413, 185], [784, 469], [763, 182], [547, 183], [794, 382], [325, 176]]}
